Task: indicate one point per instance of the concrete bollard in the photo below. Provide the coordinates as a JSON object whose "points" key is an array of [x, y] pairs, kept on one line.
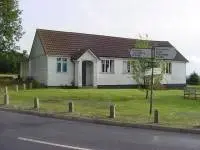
{"points": [[6, 90], [156, 120], [6, 99], [16, 88], [30, 85], [36, 103], [112, 111], [71, 107], [24, 86]]}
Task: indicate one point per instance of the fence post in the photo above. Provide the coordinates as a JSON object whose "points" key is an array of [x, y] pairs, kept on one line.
{"points": [[17, 87], [24, 86], [6, 99], [36, 103], [71, 107], [30, 85], [112, 111], [6, 90], [156, 116]]}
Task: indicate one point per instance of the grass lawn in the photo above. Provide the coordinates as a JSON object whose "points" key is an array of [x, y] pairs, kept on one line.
{"points": [[131, 105]]}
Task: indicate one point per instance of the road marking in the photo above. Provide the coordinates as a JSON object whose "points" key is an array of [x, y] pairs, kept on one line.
{"points": [[52, 144]]}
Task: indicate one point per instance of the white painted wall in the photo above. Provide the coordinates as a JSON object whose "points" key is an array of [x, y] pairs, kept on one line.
{"points": [[116, 78], [38, 62], [59, 78], [178, 75]]}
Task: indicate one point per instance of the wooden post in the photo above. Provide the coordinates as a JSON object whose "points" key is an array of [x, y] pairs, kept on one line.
{"points": [[156, 116], [6, 99], [6, 90], [36, 103], [17, 87], [24, 86], [112, 111], [71, 107]]}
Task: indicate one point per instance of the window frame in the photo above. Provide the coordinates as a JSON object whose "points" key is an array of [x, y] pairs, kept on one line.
{"points": [[107, 66], [62, 61], [127, 69], [168, 68]]}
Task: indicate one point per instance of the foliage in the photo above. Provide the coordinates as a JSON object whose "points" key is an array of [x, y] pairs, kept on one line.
{"points": [[193, 79], [10, 25], [35, 83], [141, 65], [10, 61]]}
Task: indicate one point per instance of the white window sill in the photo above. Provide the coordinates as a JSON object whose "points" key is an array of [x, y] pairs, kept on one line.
{"points": [[107, 72], [61, 72]]}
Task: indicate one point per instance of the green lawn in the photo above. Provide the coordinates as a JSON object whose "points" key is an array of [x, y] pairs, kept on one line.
{"points": [[131, 105]]}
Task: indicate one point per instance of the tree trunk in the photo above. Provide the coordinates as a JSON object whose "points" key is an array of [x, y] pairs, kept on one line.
{"points": [[147, 94]]}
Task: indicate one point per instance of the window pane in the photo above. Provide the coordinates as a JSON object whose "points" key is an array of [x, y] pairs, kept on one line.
{"points": [[112, 66], [58, 59], [58, 67], [124, 66], [64, 59], [170, 68], [103, 66], [166, 68], [107, 66], [64, 67], [128, 66]]}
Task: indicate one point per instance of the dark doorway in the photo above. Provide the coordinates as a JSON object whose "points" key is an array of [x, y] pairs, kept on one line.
{"points": [[84, 73], [87, 73]]}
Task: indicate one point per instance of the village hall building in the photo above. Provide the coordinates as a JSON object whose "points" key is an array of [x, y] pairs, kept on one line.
{"points": [[76, 59]]}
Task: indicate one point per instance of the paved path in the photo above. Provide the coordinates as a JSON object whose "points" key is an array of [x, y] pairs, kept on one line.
{"points": [[26, 132]]}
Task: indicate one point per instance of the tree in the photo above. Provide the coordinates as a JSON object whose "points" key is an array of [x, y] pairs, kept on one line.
{"points": [[141, 65], [10, 25], [193, 79], [10, 61]]}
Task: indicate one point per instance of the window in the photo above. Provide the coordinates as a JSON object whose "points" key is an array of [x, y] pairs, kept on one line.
{"points": [[127, 66], [107, 66], [64, 65], [58, 64], [61, 64], [168, 68]]}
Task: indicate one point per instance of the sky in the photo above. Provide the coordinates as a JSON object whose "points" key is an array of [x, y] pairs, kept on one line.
{"points": [[176, 21]]}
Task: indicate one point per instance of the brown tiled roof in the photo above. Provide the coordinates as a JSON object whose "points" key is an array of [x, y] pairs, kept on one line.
{"points": [[72, 44]]}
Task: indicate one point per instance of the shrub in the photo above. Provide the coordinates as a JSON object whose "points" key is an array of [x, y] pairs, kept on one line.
{"points": [[193, 79]]}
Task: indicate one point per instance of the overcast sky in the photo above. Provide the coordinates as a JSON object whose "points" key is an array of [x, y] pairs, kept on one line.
{"points": [[176, 21]]}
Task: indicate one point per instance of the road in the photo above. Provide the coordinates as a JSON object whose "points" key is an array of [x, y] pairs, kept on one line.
{"points": [[26, 132]]}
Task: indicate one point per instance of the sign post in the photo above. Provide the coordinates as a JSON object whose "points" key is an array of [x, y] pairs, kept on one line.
{"points": [[165, 53], [152, 66]]}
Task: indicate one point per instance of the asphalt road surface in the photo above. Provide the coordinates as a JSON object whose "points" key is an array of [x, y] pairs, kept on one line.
{"points": [[26, 132]]}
